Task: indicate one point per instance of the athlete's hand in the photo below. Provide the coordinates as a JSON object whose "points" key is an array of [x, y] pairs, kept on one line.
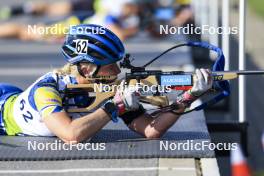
{"points": [[126, 98], [203, 82], [201, 85]]}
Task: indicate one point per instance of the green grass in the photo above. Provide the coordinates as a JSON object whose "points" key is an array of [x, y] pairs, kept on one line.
{"points": [[257, 6], [259, 173]]}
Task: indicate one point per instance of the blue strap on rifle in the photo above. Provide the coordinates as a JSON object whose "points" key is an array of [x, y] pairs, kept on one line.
{"points": [[219, 65]]}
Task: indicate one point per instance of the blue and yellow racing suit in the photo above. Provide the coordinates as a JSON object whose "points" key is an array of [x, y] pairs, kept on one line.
{"points": [[22, 113]]}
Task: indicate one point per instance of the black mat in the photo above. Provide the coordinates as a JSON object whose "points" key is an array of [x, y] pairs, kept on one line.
{"points": [[119, 143]]}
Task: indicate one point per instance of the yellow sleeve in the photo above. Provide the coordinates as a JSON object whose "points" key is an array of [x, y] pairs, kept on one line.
{"points": [[48, 101]]}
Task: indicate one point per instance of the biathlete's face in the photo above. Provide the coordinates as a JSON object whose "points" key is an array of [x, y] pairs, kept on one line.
{"points": [[106, 70]]}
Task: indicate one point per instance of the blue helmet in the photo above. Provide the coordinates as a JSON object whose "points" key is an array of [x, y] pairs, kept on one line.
{"points": [[92, 43]]}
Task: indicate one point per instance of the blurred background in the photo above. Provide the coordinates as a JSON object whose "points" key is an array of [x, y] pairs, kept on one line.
{"points": [[31, 33]]}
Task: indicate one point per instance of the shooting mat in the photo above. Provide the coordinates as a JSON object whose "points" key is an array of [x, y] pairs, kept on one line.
{"points": [[119, 141]]}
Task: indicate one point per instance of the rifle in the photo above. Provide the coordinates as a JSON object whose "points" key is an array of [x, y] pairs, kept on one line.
{"points": [[176, 80]]}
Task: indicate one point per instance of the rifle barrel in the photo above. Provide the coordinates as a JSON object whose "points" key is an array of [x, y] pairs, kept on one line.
{"points": [[243, 72], [227, 75], [250, 72]]}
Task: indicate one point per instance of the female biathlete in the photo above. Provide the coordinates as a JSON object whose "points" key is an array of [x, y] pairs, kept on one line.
{"points": [[40, 109]]}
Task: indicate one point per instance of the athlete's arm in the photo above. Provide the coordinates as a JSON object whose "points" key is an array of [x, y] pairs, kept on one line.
{"points": [[80, 129], [49, 105], [154, 127]]}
